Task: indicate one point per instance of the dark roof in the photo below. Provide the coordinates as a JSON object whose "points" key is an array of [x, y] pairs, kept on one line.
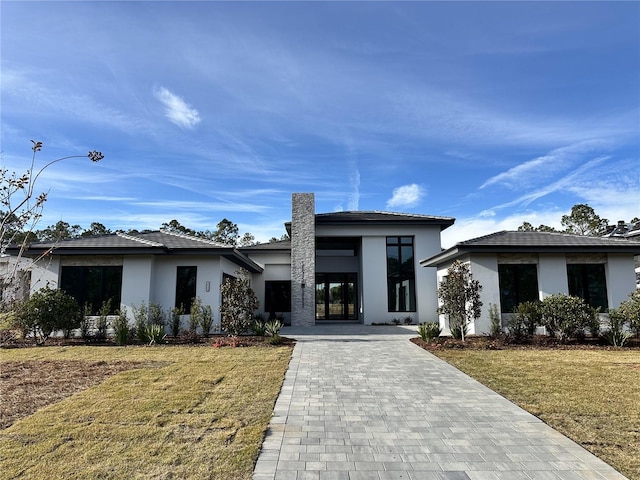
{"points": [[151, 243], [284, 245], [534, 242], [379, 218]]}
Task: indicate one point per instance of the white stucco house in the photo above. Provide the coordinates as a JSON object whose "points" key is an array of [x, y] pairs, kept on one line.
{"points": [[515, 266], [337, 267]]}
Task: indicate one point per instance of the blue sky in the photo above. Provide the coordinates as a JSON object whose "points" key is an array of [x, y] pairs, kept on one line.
{"points": [[492, 113]]}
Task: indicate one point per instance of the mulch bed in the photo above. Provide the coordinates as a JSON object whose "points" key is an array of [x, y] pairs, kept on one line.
{"points": [[538, 342]]}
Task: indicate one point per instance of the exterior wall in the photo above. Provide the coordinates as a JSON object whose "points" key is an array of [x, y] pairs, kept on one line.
{"points": [[552, 275], [46, 272], [621, 279], [303, 256], [277, 266], [552, 279], [373, 303], [137, 274], [484, 268], [372, 276]]}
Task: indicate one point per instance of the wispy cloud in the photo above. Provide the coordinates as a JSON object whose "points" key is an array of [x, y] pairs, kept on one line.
{"points": [[569, 181], [177, 110], [406, 196], [544, 166]]}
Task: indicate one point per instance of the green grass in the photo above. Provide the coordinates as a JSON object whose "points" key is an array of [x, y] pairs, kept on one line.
{"points": [[591, 396], [201, 413]]}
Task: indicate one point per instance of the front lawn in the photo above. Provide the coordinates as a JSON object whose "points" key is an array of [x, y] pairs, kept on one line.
{"points": [[592, 396], [170, 412]]}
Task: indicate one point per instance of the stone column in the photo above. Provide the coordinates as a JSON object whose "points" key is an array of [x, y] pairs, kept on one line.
{"points": [[303, 259]]}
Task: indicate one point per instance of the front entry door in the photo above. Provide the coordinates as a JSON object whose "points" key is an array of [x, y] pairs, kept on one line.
{"points": [[336, 296]]}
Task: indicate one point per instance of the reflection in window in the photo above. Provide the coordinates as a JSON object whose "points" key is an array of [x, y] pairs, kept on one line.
{"points": [[93, 285], [588, 281], [401, 280], [518, 284]]}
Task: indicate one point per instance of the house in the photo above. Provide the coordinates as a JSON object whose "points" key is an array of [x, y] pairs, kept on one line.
{"points": [[518, 266], [340, 267]]}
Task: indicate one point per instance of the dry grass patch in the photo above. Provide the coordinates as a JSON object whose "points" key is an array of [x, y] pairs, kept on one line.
{"points": [[592, 396], [180, 412]]}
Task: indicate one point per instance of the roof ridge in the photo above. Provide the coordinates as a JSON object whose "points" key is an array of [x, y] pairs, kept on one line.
{"points": [[140, 240], [198, 239]]}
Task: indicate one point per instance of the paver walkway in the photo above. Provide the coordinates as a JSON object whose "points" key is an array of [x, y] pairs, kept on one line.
{"points": [[364, 403]]}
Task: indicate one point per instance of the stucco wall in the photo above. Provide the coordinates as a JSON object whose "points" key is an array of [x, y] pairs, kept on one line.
{"points": [[373, 269], [621, 278]]}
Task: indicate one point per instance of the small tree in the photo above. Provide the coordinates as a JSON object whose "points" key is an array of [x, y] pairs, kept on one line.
{"points": [[238, 304], [21, 209], [460, 297]]}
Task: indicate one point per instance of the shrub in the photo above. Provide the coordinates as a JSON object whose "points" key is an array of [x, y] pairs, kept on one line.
{"points": [[630, 310], [85, 324], [194, 316], [429, 330], [156, 314], [206, 320], [616, 335], [522, 325], [272, 329], [496, 322], [258, 325], [102, 323], [153, 334], [121, 327], [238, 304], [175, 320], [140, 318], [565, 316], [48, 310]]}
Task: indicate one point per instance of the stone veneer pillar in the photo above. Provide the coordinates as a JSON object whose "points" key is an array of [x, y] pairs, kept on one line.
{"points": [[303, 259]]}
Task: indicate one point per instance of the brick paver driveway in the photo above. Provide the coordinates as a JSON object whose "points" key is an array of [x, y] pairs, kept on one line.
{"points": [[364, 403]]}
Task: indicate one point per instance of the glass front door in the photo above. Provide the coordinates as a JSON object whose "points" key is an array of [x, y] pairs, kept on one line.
{"points": [[336, 296]]}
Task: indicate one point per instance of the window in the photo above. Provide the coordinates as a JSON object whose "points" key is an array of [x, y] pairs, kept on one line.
{"points": [[518, 284], [588, 281], [185, 287], [93, 285], [277, 296], [401, 279]]}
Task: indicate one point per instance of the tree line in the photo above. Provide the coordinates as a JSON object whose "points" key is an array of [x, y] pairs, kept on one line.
{"points": [[583, 220], [226, 233]]}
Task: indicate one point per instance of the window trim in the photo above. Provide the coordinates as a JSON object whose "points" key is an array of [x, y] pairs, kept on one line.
{"points": [[399, 242]]}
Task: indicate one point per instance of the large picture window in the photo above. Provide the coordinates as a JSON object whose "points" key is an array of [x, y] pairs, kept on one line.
{"points": [[401, 279], [185, 287], [518, 284], [277, 296], [588, 281], [93, 285]]}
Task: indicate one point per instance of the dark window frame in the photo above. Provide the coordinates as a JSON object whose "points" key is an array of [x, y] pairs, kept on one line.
{"points": [[582, 283], [186, 286], [78, 281], [400, 272], [518, 292]]}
